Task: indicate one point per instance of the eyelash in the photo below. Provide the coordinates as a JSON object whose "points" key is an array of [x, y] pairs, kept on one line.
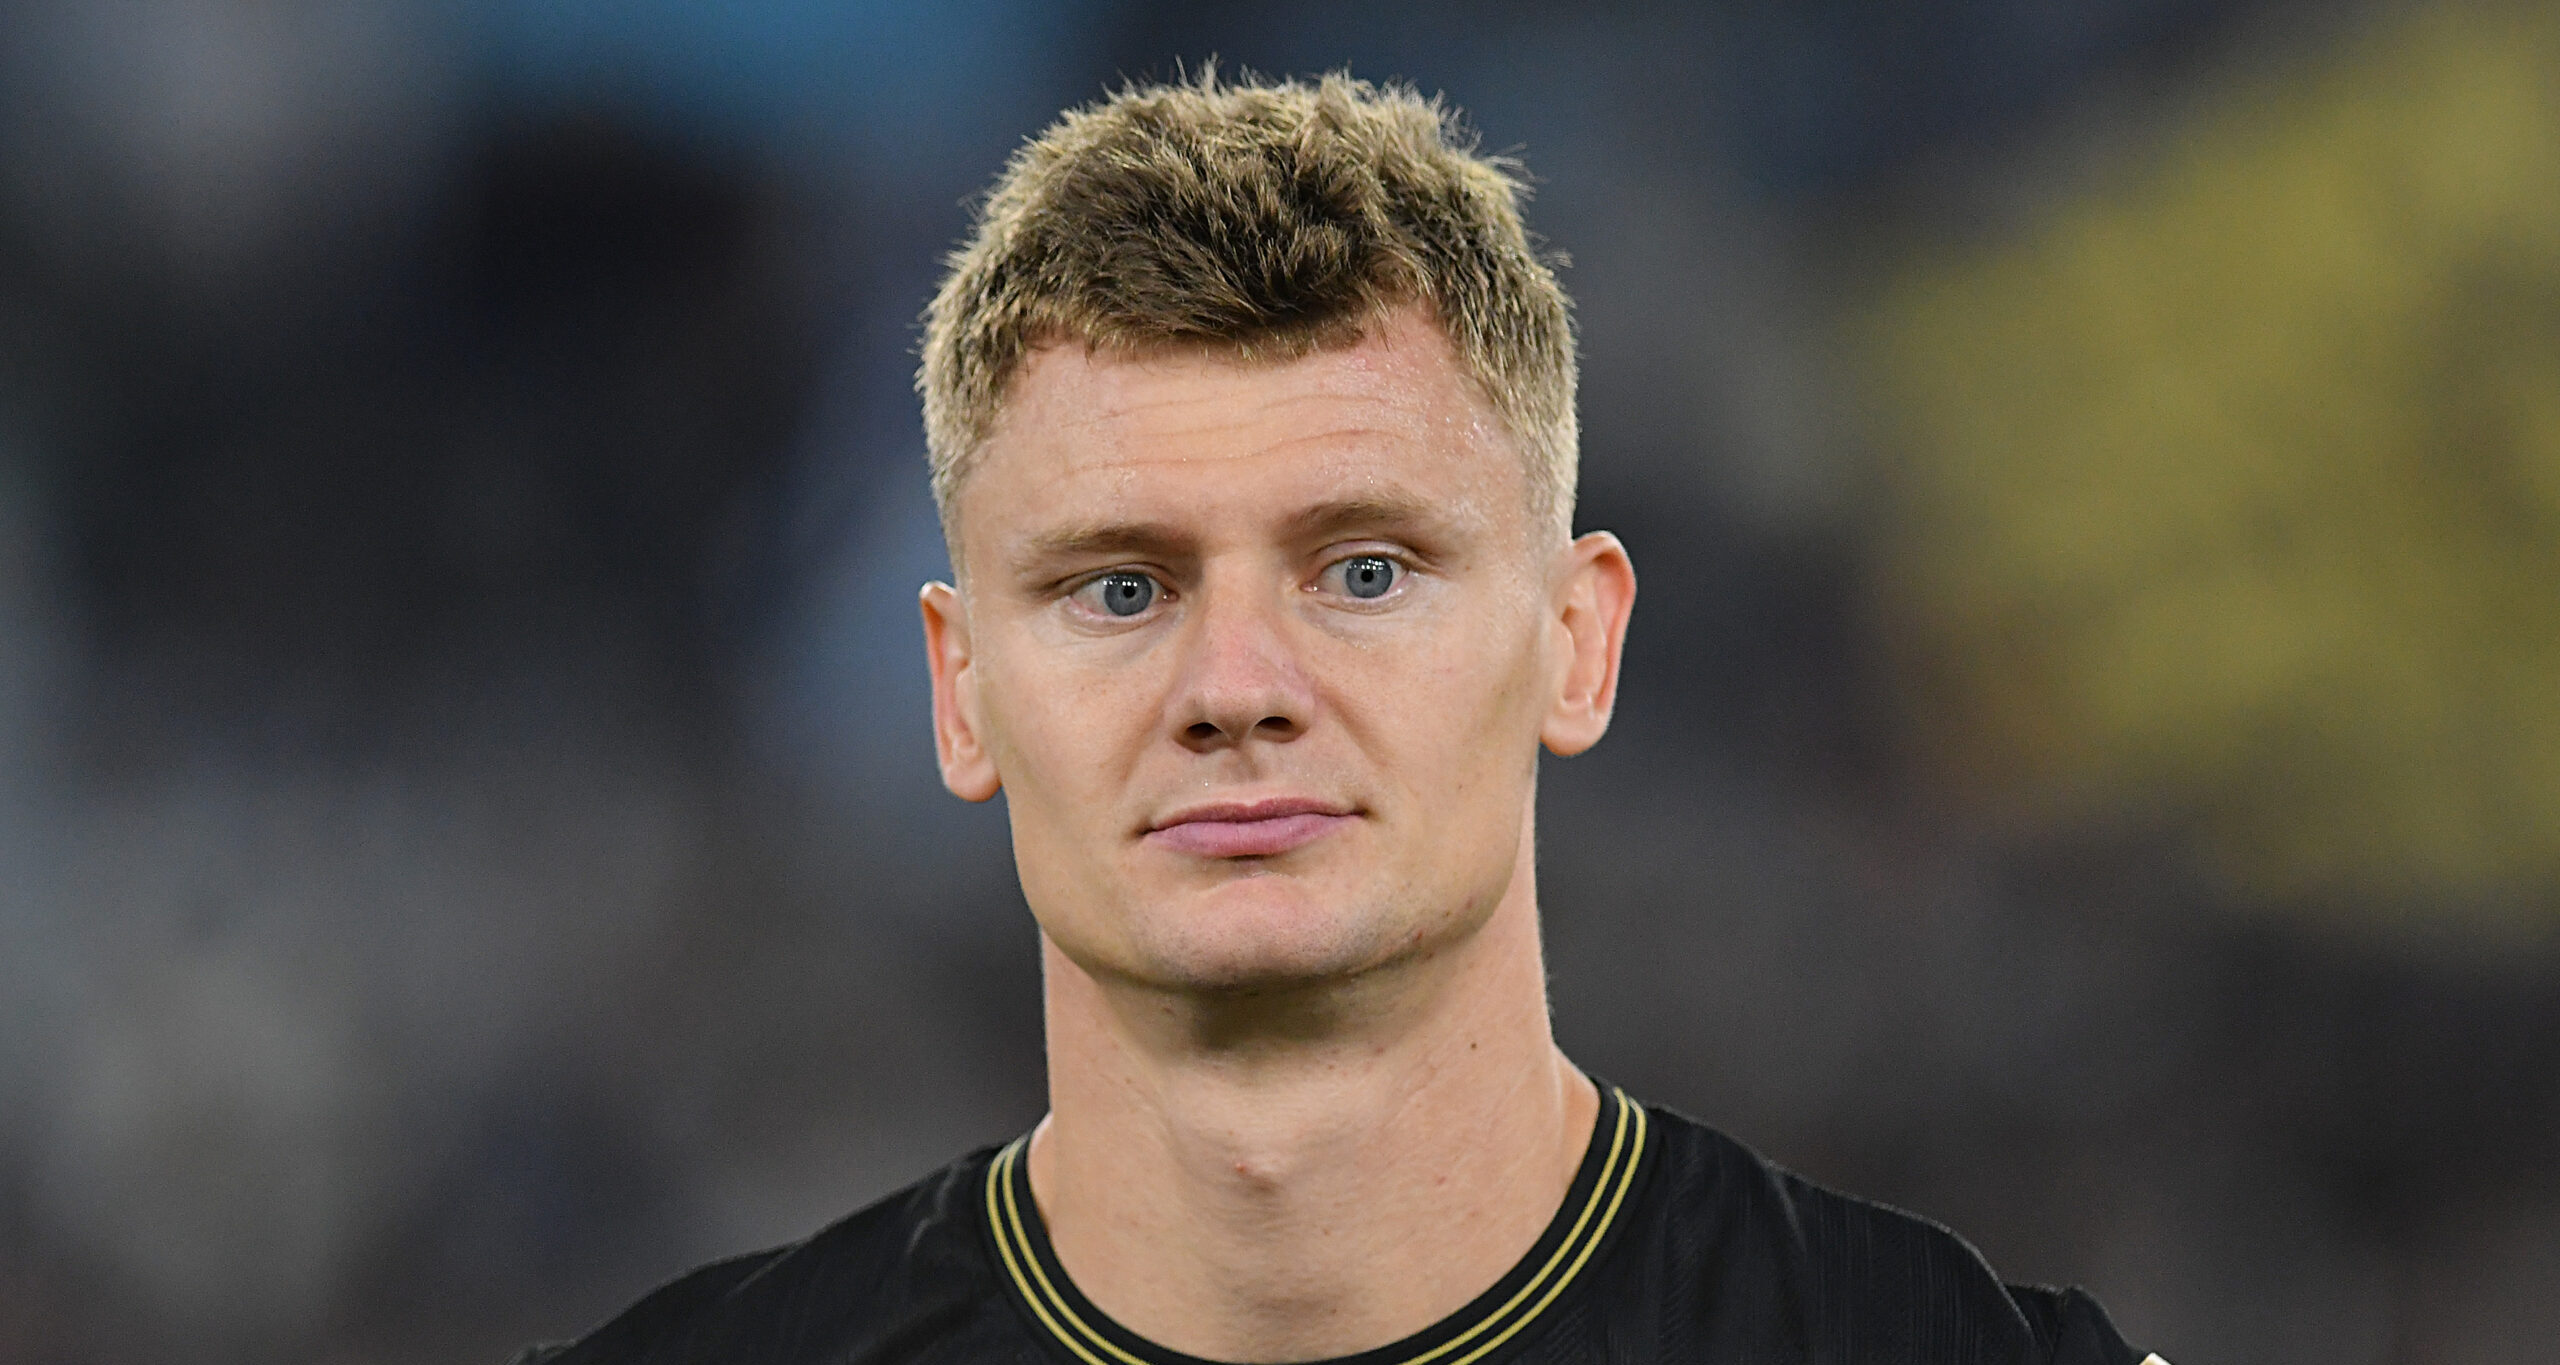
{"points": [[1163, 592], [1403, 570]]}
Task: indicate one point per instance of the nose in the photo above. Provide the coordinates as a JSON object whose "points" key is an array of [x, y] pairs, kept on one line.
{"points": [[1241, 678]]}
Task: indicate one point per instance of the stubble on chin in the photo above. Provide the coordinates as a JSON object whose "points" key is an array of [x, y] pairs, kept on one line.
{"points": [[1274, 943]]}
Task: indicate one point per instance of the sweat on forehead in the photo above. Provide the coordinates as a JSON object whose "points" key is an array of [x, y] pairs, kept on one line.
{"points": [[1089, 439]]}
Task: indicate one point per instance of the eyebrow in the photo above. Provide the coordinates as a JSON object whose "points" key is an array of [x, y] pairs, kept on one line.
{"points": [[1364, 513], [1157, 540], [1097, 540]]}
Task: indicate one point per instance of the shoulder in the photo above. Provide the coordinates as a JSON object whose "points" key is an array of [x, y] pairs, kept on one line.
{"points": [[1842, 1278], [882, 1283]]}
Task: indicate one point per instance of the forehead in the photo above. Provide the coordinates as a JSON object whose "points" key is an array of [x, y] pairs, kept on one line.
{"points": [[1087, 436]]}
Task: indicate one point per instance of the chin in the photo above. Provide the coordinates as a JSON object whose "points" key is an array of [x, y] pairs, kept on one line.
{"points": [[1265, 933]]}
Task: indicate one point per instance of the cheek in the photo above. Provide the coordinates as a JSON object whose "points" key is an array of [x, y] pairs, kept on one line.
{"points": [[1050, 731], [1465, 732], [1058, 747]]}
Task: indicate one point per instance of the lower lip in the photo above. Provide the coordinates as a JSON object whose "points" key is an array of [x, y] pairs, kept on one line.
{"points": [[1247, 838]]}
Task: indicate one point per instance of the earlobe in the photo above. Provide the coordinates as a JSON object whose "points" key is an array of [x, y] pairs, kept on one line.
{"points": [[1594, 599], [957, 727]]}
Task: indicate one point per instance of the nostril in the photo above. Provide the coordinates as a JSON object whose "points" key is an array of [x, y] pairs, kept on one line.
{"points": [[1202, 730], [1278, 725]]}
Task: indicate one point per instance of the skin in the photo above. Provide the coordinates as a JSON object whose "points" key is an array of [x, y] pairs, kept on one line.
{"points": [[1304, 1096]]}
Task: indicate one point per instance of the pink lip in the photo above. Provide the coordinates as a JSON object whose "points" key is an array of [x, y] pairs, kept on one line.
{"points": [[1248, 829]]}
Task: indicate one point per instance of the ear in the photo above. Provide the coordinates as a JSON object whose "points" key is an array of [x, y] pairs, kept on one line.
{"points": [[1594, 595], [957, 722]]}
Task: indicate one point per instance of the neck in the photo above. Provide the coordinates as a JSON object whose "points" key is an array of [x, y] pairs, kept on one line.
{"points": [[1291, 1178]]}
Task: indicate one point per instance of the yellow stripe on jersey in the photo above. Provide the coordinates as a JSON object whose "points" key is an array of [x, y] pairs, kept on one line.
{"points": [[1626, 1177], [1004, 1247], [1591, 1224]]}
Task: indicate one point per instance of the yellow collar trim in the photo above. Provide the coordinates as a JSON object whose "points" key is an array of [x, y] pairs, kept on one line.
{"points": [[1591, 1223]]}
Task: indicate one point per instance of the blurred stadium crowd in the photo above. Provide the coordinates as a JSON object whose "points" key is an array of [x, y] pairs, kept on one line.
{"points": [[2089, 768]]}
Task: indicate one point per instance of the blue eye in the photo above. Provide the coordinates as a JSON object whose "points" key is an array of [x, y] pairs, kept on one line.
{"points": [[1368, 576], [1125, 594]]}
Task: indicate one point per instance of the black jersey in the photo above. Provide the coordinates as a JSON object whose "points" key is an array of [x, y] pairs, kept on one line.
{"points": [[1675, 1243]]}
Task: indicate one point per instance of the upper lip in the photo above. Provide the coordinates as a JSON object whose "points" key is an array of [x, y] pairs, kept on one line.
{"points": [[1272, 808]]}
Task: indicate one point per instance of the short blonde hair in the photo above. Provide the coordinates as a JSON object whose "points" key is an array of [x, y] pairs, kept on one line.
{"points": [[1267, 219]]}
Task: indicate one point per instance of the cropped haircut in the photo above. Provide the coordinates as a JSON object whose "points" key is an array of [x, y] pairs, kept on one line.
{"points": [[1264, 219]]}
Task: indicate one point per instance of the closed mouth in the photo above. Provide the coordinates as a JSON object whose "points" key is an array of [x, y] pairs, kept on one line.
{"points": [[1249, 829]]}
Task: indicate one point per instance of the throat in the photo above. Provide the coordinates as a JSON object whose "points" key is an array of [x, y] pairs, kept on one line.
{"points": [[1317, 1189], [1312, 1220], [1279, 1309]]}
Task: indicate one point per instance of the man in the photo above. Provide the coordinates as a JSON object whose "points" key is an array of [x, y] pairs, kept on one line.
{"points": [[1251, 421]]}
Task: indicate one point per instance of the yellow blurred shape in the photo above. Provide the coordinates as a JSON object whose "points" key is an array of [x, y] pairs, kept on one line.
{"points": [[2232, 489]]}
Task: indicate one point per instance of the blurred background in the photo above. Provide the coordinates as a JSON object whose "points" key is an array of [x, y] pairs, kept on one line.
{"points": [[2089, 766]]}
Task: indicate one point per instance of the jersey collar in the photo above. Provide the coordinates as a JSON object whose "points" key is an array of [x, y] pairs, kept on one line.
{"points": [[1482, 1333]]}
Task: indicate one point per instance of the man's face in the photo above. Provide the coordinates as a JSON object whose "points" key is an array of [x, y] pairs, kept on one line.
{"points": [[1261, 654]]}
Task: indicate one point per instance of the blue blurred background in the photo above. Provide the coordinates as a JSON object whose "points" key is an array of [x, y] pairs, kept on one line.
{"points": [[2089, 768]]}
